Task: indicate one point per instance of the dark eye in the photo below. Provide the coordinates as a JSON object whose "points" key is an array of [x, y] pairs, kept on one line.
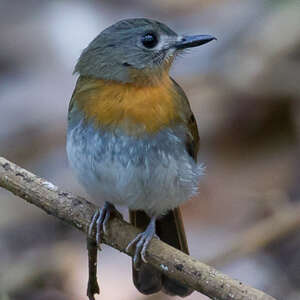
{"points": [[149, 40]]}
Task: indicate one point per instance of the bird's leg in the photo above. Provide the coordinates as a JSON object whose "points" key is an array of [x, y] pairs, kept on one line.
{"points": [[100, 219], [142, 241]]}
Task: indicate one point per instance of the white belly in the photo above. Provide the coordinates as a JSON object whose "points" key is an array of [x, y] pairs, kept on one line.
{"points": [[154, 173]]}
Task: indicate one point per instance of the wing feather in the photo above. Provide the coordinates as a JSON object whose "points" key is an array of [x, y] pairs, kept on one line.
{"points": [[192, 138]]}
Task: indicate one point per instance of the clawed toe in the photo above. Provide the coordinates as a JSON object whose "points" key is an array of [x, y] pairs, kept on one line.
{"points": [[141, 242], [93, 222], [100, 219]]}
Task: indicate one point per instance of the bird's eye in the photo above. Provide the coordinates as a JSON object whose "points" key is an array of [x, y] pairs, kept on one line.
{"points": [[149, 40]]}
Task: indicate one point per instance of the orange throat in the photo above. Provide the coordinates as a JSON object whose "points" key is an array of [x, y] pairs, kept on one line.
{"points": [[133, 108]]}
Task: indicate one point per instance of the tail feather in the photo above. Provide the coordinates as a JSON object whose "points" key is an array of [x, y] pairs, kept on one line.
{"points": [[170, 229]]}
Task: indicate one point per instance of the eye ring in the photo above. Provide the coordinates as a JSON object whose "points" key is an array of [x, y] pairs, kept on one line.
{"points": [[149, 40]]}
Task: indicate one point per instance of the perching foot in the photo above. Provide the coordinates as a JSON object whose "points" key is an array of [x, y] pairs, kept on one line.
{"points": [[142, 241], [101, 218]]}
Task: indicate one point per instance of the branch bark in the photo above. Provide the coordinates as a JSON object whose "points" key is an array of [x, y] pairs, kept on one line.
{"points": [[78, 212]]}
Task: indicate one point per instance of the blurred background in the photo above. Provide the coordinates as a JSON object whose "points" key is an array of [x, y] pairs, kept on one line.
{"points": [[245, 92]]}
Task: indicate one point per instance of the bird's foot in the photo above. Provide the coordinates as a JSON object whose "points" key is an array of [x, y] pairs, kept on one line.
{"points": [[142, 241], [100, 219]]}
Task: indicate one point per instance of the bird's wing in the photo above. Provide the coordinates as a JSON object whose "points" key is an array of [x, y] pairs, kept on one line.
{"points": [[81, 82], [192, 139]]}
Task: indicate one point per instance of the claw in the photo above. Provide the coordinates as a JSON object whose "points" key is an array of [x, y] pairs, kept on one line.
{"points": [[106, 218], [142, 241], [100, 219], [94, 219]]}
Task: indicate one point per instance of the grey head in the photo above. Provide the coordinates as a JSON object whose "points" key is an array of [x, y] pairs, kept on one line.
{"points": [[133, 45]]}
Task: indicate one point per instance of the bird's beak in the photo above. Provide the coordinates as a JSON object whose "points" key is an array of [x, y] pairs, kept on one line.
{"points": [[189, 41]]}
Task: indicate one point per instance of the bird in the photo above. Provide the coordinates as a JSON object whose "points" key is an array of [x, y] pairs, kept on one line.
{"points": [[132, 138]]}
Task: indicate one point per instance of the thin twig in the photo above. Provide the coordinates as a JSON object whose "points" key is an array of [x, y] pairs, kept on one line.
{"points": [[261, 235], [78, 212], [93, 287]]}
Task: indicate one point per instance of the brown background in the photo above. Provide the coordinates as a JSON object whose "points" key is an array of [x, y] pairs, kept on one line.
{"points": [[245, 92]]}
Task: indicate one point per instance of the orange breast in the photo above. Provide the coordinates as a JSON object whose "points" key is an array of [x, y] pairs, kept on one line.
{"points": [[133, 108]]}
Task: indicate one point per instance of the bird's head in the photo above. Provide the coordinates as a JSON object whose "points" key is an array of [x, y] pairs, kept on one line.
{"points": [[134, 50]]}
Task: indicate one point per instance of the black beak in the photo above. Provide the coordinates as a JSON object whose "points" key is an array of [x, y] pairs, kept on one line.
{"points": [[189, 41]]}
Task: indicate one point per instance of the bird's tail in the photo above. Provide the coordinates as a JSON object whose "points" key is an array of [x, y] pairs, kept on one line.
{"points": [[169, 228]]}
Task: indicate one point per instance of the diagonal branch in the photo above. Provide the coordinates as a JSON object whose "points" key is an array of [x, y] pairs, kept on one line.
{"points": [[260, 235], [78, 212]]}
